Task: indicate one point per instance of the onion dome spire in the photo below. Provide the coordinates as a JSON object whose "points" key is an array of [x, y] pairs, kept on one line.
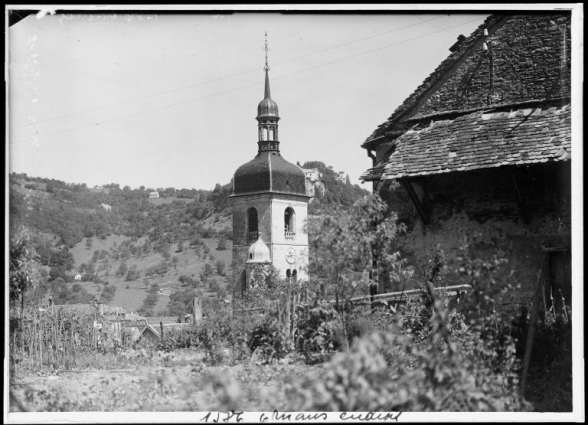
{"points": [[267, 108]]}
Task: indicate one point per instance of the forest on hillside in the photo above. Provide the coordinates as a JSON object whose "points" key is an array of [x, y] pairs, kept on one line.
{"points": [[74, 211], [337, 194], [71, 211], [59, 216]]}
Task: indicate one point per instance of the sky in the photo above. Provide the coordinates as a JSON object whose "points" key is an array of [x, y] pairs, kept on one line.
{"points": [[170, 100]]}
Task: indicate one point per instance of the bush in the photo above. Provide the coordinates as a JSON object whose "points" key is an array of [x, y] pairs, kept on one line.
{"points": [[108, 293], [221, 268], [430, 357], [271, 340], [549, 379], [386, 371], [223, 341], [222, 244], [315, 337]]}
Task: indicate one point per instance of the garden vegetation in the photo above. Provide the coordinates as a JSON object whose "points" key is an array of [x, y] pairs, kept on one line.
{"points": [[427, 353]]}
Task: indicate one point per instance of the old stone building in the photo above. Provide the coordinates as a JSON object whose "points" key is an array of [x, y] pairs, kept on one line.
{"points": [[481, 152], [270, 205]]}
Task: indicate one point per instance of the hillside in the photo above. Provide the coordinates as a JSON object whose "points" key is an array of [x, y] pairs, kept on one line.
{"points": [[147, 254], [141, 271], [331, 189]]}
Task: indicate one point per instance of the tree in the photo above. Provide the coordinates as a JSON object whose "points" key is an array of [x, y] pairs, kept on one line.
{"points": [[208, 271], [122, 269], [62, 258], [350, 247], [57, 272], [23, 269], [90, 269], [180, 302], [125, 253], [185, 280], [221, 267], [148, 303], [222, 294], [147, 248], [222, 244], [95, 256], [132, 274], [108, 293], [213, 285], [180, 246], [175, 261]]}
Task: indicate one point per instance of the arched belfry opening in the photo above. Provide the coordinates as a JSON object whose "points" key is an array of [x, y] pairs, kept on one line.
{"points": [[289, 223], [252, 225], [292, 275]]}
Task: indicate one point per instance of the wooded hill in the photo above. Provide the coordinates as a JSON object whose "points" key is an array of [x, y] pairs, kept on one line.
{"points": [[129, 247], [73, 211], [336, 194]]}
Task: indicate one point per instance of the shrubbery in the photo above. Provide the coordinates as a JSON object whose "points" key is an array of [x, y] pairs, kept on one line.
{"points": [[315, 337], [271, 340], [422, 354], [221, 340]]}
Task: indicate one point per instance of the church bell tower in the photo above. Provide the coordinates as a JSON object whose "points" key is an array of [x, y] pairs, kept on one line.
{"points": [[270, 204]]}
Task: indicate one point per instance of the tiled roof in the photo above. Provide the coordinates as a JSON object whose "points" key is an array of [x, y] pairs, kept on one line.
{"points": [[78, 308], [529, 62], [269, 172], [434, 77], [162, 319], [480, 140]]}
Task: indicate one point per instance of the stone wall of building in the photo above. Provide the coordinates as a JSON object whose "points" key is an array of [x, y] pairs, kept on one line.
{"points": [[270, 210], [480, 210], [280, 245]]}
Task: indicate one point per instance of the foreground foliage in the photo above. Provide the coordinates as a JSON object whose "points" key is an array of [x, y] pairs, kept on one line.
{"points": [[421, 354]]}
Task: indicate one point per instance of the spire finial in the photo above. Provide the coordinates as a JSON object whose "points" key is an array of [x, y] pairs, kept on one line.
{"points": [[266, 67]]}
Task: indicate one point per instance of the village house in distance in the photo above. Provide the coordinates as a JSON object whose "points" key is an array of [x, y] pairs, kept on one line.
{"points": [[482, 153], [270, 205]]}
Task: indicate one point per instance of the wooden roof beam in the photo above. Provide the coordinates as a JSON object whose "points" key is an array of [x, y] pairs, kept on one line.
{"points": [[415, 200], [520, 200]]}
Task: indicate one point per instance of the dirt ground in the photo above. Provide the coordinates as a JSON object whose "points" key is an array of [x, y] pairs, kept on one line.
{"points": [[183, 384]]}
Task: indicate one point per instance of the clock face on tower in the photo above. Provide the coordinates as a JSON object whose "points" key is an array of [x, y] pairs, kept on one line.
{"points": [[291, 255]]}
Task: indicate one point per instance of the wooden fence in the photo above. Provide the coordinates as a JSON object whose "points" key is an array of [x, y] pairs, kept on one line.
{"points": [[45, 337], [284, 308]]}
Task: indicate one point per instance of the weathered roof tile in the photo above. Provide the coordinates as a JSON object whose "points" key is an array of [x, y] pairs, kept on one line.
{"points": [[503, 139]]}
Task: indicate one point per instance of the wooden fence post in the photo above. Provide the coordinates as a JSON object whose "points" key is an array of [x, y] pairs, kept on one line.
{"points": [[197, 305], [531, 332], [41, 328]]}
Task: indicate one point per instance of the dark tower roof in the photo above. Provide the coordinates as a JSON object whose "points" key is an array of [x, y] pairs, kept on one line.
{"points": [[269, 172]]}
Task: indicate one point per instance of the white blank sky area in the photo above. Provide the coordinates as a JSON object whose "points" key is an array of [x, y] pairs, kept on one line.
{"points": [[171, 100]]}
